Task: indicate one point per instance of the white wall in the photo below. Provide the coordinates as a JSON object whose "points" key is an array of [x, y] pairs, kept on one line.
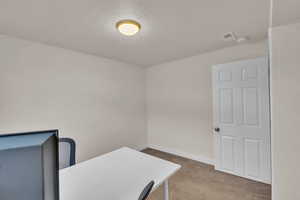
{"points": [[98, 102], [285, 87], [179, 101]]}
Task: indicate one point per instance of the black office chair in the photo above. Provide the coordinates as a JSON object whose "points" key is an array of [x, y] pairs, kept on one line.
{"points": [[145, 193], [67, 151]]}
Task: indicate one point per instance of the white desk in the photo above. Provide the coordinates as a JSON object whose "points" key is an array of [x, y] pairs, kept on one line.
{"points": [[119, 175]]}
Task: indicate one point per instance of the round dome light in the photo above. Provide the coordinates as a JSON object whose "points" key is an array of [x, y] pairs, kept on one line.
{"points": [[128, 27]]}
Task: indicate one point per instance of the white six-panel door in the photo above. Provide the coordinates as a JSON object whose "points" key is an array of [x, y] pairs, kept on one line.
{"points": [[242, 119]]}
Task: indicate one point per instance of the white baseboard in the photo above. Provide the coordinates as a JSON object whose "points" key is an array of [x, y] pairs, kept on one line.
{"points": [[183, 154]]}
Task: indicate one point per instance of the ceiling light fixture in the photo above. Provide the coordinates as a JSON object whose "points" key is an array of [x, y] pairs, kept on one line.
{"points": [[128, 27]]}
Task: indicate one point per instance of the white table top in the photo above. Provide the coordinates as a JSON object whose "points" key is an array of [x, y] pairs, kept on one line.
{"points": [[119, 175]]}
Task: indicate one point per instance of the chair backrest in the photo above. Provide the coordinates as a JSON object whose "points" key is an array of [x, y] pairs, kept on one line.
{"points": [[145, 193], [67, 150]]}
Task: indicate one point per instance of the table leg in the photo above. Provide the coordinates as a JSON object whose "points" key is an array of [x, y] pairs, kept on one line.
{"points": [[166, 190]]}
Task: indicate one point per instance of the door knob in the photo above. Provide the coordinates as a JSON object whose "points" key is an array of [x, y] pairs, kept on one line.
{"points": [[217, 129]]}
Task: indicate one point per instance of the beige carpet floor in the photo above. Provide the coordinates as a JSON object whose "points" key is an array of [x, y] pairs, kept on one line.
{"points": [[198, 181]]}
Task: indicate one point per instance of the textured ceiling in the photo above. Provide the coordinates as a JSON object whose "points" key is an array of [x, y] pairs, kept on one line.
{"points": [[171, 29]]}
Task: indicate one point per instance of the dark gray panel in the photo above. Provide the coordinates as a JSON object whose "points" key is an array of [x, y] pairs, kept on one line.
{"points": [[50, 166], [21, 174]]}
